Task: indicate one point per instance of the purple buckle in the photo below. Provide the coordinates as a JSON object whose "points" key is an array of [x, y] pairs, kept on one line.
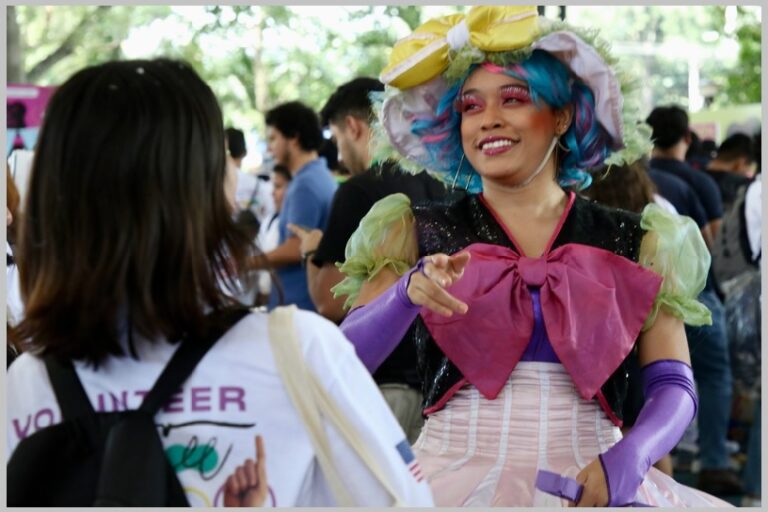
{"points": [[560, 486], [568, 488]]}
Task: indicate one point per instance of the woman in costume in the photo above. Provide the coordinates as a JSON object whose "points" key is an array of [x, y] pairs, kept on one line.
{"points": [[523, 298]]}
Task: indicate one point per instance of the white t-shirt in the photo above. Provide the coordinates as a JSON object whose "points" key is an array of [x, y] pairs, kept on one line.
{"points": [[267, 240], [753, 212], [235, 392], [15, 306]]}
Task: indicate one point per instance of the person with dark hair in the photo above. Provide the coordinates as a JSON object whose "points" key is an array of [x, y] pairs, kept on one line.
{"points": [[733, 166], [130, 258], [294, 138], [699, 154], [269, 234], [349, 115], [671, 140], [236, 145], [330, 152], [524, 298], [624, 186], [253, 194], [710, 357]]}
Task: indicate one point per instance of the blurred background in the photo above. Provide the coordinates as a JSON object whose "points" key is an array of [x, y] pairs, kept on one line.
{"points": [[705, 58]]}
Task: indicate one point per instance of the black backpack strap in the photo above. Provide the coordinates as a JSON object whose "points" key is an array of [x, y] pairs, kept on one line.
{"points": [[70, 394], [186, 357]]}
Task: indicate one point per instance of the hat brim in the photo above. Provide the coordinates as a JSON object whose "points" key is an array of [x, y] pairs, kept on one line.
{"points": [[584, 62]]}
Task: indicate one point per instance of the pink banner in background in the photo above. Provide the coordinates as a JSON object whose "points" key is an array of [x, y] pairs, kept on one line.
{"points": [[25, 111]]}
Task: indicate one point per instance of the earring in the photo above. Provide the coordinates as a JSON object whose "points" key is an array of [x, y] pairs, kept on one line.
{"points": [[458, 171], [561, 147]]}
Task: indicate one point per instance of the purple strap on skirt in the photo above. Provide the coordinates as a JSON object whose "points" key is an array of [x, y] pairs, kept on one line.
{"points": [[565, 487]]}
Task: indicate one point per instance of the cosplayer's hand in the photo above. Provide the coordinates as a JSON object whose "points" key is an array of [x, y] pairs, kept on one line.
{"points": [[595, 492], [439, 271], [310, 239], [247, 486]]}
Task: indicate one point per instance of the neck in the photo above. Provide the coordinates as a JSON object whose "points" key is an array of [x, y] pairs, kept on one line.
{"points": [[539, 198], [720, 165], [300, 159], [676, 152]]}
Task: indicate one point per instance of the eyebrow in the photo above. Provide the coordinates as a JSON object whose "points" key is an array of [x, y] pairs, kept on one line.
{"points": [[473, 91]]}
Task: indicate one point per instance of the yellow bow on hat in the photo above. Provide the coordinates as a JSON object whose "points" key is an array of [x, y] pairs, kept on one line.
{"points": [[423, 55]]}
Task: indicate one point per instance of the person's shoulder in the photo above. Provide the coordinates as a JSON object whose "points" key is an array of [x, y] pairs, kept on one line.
{"points": [[311, 328], [659, 175], [26, 373], [26, 362]]}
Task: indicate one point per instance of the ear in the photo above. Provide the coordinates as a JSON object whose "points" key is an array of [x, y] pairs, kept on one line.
{"points": [[293, 142], [353, 126], [563, 118]]}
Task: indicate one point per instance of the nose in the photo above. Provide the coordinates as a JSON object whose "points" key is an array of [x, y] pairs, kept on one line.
{"points": [[491, 117]]}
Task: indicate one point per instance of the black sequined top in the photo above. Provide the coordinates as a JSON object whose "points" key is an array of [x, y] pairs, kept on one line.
{"points": [[449, 228]]}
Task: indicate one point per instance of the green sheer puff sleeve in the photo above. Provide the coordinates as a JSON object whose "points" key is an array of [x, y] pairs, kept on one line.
{"points": [[386, 237], [674, 248]]}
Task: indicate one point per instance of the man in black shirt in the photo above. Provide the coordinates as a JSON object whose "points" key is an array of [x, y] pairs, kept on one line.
{"points": [[708, 344], [733, 166], [348, 114], [671, 138], [680, 194]]}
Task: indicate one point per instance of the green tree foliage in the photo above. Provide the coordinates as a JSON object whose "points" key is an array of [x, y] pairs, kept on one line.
{"points": [[255, 57], [742, 84], [57, 41]]}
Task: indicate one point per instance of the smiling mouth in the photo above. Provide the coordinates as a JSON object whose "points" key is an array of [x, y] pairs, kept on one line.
{"points": [[495, 146]]}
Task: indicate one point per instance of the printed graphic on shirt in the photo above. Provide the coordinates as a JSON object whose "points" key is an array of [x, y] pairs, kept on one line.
{"points": [[404, 449], [203, 458]]}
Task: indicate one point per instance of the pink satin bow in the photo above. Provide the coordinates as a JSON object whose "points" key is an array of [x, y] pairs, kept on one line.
{"points": [[593, 303]]}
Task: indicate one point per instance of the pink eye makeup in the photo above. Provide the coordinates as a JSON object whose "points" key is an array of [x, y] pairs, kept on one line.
{"points": [[509, 95], [515, 93], [467, 103]]}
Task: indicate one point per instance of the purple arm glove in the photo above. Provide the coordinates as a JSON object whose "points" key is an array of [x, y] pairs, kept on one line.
{"points": [[376, 328], [670, 405]]}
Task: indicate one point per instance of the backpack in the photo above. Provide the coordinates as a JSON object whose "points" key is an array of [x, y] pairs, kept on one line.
{"points": [[731, 254], [106, 459]]}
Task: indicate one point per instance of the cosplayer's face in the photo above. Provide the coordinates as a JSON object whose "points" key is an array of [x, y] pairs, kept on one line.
{"points": [[504, 134], [278, 145]]}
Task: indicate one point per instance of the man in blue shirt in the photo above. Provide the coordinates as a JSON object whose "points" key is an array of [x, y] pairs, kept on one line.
{"points": [[293, 138]]}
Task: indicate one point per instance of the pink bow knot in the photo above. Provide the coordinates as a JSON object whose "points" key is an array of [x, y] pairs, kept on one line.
{"points": [[593, 303], [533, 271]]}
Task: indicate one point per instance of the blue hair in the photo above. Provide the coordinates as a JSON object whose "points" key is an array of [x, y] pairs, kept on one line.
{"points": [[550, 82]]}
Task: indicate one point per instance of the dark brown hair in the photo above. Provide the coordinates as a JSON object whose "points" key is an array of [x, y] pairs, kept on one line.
{"points": [[12, 200], [623, 186], [126, 225]]}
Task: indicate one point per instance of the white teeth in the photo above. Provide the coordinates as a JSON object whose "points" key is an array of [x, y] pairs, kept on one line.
{"points": [[496, 144]]}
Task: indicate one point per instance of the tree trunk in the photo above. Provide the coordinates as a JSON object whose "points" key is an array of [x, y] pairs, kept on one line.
{"points": [[68, 45], [15, 48], [261, 92]]}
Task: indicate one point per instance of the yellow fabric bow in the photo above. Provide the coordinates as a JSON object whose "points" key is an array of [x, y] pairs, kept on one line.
{"points": [[423, 55]]}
